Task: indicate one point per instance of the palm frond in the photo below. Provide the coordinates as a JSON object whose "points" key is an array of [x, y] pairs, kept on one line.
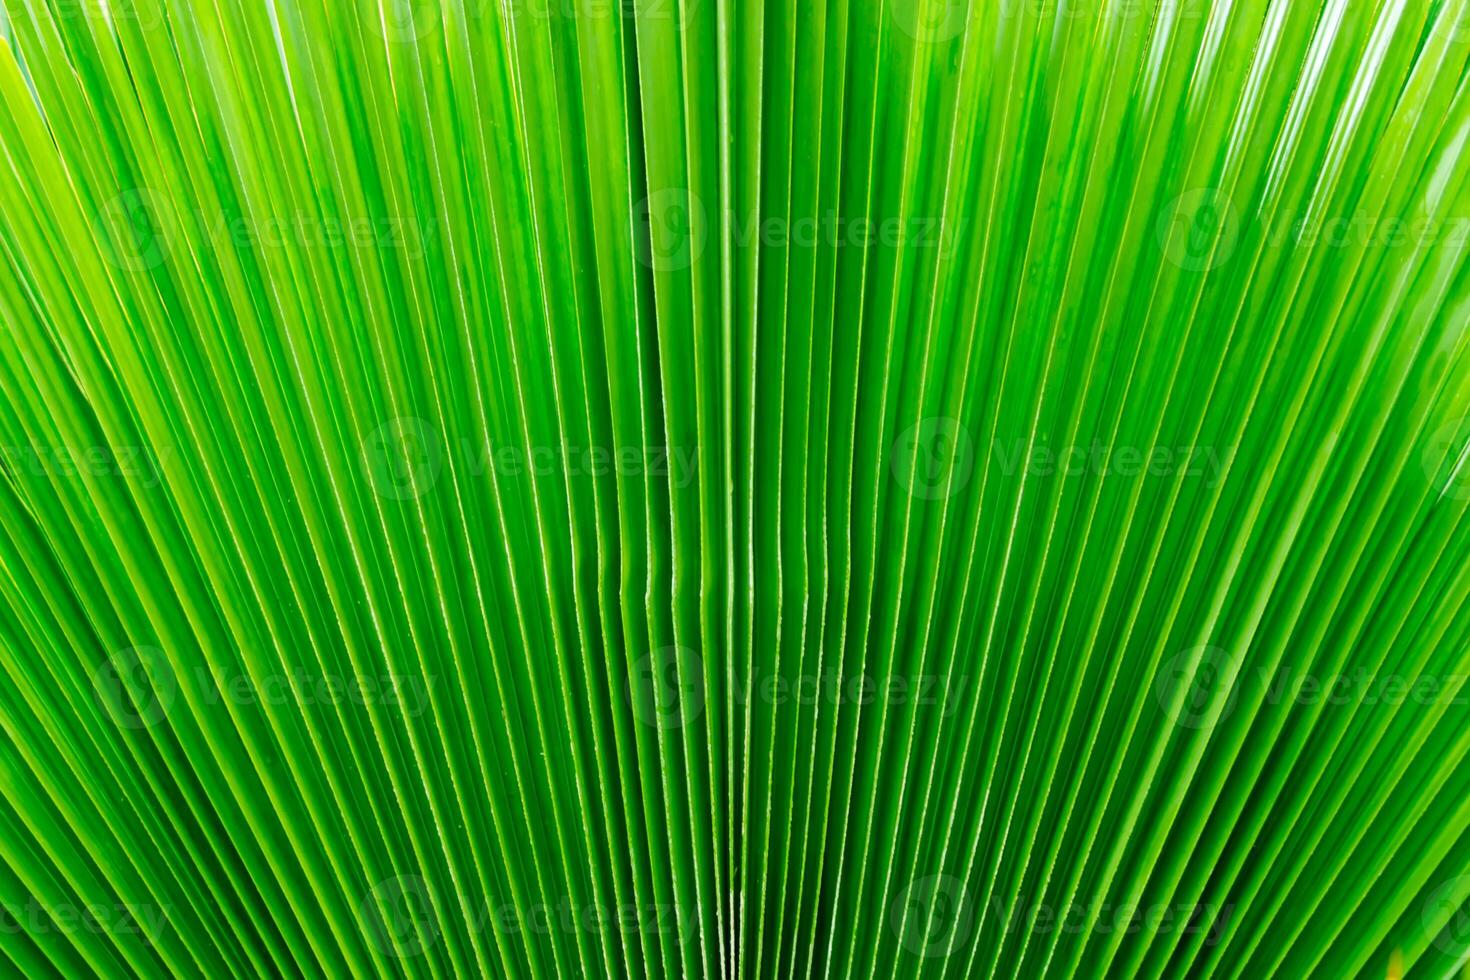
{"points": [[687, 488]]}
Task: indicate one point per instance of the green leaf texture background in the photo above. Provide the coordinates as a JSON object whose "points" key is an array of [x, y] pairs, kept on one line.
{"points": [[734, 488]]}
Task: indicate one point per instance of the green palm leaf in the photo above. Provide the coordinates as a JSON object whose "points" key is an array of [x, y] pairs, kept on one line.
{"points": [[686, 488]]}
